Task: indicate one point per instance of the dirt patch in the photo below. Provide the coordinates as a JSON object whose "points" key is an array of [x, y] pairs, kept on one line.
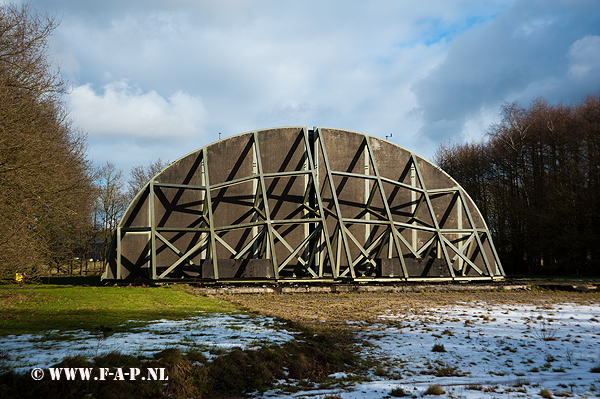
{"points": [[335, 310]]}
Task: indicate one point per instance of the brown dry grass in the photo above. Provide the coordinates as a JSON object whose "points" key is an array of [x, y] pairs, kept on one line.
{"points": [[331, 310]]}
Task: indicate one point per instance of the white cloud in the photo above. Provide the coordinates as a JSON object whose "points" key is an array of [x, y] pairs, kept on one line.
{"points": [[584, 55], [124, 110]]}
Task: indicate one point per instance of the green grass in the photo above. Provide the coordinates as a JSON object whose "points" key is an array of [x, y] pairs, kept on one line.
{"points": [[36, 309]]}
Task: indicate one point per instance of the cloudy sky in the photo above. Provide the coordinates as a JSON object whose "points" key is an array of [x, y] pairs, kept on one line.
{"points": [[159, 78]]}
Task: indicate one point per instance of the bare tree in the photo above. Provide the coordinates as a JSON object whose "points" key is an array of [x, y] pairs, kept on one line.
{"points": [[44, 175], [23, 52], [110, 201], [140, 175]]}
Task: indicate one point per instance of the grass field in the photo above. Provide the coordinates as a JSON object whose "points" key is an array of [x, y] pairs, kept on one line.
{"points": [[35, 309]]}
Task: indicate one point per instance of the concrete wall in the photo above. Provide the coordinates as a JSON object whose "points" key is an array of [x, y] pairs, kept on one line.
{"points": [[353, 169]]}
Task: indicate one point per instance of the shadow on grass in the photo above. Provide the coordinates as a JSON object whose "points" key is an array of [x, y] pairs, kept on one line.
{"points": [[71, 280]]}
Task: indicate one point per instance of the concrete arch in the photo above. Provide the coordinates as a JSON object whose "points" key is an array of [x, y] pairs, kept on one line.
{"points": [[293, 204]]}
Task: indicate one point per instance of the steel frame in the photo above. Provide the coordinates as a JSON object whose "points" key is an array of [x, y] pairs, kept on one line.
{"points": [[329, 248]]}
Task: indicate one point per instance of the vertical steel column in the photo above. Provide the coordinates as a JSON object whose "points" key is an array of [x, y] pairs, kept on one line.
{"points": [[152, 220], [413, 207], [263, 189], [388, 212], [341, 225], [477, 238], [203, 193], [254, 203], [314, 151], [211, 223], [305, 199], [433, 217], [499, 267], [118, 238], [313, 164], [366, 197], [459, 226]]}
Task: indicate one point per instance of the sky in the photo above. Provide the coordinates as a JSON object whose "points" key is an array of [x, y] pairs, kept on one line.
{"points": [[157, 79]]}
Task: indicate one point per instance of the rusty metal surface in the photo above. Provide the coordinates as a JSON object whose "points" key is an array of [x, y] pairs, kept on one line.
{"points": [[293, 204]]}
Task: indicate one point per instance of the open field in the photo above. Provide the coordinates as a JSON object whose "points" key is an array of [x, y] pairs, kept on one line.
{"points": [[35, 309], [471, 344]]}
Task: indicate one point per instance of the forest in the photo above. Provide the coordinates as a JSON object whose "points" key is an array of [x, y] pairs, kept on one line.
{"points": [[535, 177]]}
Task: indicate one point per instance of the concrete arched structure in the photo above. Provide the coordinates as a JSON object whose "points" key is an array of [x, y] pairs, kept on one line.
{"points": [[293, 204]]}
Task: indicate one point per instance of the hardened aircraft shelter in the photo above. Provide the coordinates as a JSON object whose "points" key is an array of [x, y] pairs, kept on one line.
{"points": [[291, 204]]}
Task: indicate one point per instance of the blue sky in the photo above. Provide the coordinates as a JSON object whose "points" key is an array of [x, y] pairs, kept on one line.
{"points": [[159, 78]]}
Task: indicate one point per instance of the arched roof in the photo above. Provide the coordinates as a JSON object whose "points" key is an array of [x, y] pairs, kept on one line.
{"points": [[295, 204]]}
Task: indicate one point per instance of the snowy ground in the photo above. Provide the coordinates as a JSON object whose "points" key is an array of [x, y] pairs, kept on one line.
{"points": [[490, 352], [205, 332], [499, 351]]}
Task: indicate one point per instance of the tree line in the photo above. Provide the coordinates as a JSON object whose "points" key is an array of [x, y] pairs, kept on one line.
{"points": [[536, 179], [55, 206], [44, 180]]}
